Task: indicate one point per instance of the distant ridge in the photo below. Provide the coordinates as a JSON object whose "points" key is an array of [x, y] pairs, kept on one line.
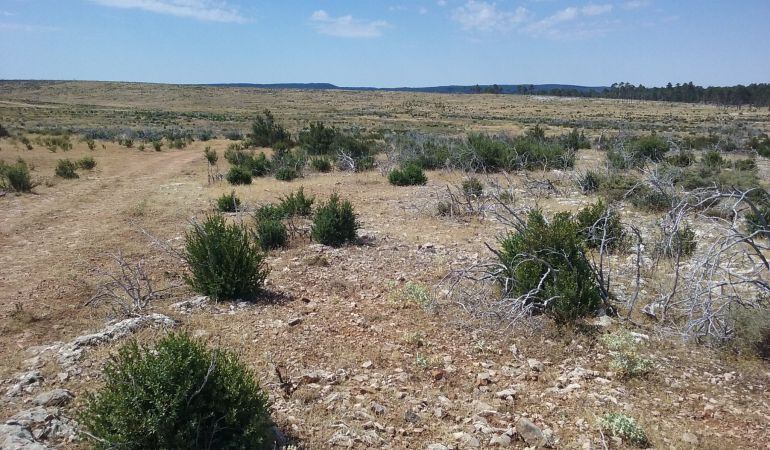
{"points": [[451, 89]]}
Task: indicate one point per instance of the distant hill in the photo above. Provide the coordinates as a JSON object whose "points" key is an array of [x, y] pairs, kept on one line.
{"points": [[453, 89]]}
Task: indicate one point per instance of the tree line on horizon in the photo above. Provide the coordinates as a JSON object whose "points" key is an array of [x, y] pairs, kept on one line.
{"points": [[755, 94]]}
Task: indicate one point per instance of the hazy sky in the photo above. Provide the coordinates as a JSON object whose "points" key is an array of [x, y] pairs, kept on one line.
{"points": [[387, 43]]}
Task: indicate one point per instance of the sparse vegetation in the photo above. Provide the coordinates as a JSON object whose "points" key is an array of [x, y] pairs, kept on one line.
{"points": [[177, 394], [697, 325]]}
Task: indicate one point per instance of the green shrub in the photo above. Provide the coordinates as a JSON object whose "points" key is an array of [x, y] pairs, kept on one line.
{"points": [[66, 169], [359, 149], [444, 209], [228, 203], [224, 262], [157, 145], [235, 154], [599, 223], [286, 174], [424, 151], [491, 154], [589, 182], [271, 234], [682, 159], [266, 132], [713, 160], [647, 198], [620, 160], [318, 139], [750, 329], [575, 140], [269, 212], [651, 147], [534, 154], [745, 165], [680, 244], [547, 262], [233, 135], [86, 163], [525, 152], [413, 294], [91, 144], [259, 165], [297, 204], [624, 427], [700, 142], [761, 145], [472, 188], [210, 155], [205, 135], [408, 175], [239, 175], [617, 186], [16, 176], [321, 164], [179, 394], [758, 222], [177, 143], [335, 223], [705, 176], [3, 131], [27, 143], [58, 141], [537, 132], [626, 360]]}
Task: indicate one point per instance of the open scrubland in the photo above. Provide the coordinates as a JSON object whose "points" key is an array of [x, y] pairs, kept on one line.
{"points": [[380, 270]]}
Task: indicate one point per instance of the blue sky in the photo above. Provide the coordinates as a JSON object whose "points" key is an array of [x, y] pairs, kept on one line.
{"points": [[387, 43]]}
